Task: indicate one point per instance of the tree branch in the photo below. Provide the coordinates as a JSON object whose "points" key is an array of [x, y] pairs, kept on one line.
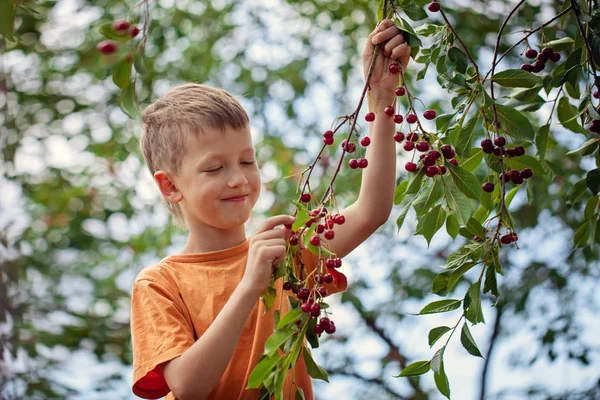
{"points": [[461, 42], [374, 381], [587, 43], [488, 355]]}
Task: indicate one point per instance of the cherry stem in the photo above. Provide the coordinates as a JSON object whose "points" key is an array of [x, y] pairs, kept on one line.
{"points": [[461, 42]]}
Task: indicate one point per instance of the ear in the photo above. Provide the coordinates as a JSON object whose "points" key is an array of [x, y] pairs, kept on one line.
{"points": [[167, 186]]}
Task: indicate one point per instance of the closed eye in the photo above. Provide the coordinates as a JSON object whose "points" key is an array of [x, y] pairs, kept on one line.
{"points": [[248, 162], [213, 170]]}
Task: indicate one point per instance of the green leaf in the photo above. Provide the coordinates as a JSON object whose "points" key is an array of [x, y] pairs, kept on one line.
{"points": [[288, 318], [414, 11], [561, 44], [581, 235], [140, 64], [592, 180], [475, 228], [7, 19], [491, 285], [300, 393], [474, 312], [129, 103], [541, 140], [400, 192], [402, 216], [301, 218], [433, 222], [312, 368], [262, 370], [586, 149], [514, 124], [436, 333], [428, 197], [380, 10], [440, 306], [415, 183], [511, 195], [311, 336], [416, 368], [463, 141], [458, 202], [474, 161], [452, 226], [565, 114], [591, 207], [441, 382], [439, 285], [458, 58], [525, 161], [466, 182], [438, 360], [516, 78], [404, 26], [577, 190], [468, 342], [457, 274], [121, 73]]}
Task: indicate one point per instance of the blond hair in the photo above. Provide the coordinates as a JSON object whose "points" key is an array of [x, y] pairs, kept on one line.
{"points": [[188, 109]]}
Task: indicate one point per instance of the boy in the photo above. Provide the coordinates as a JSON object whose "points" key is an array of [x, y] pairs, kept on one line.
{"points": [[197, 323]]}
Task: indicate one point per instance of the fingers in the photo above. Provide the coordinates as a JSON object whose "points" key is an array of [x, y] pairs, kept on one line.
{"points": [[393, 44], [384, 32], [277, 220]]}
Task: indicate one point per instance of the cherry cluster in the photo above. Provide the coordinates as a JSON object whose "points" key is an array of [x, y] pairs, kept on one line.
{"points": [[542, 58], [311, 298], [121, 27]]}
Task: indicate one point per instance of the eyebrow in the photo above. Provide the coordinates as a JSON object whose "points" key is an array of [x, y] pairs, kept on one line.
{"points": [[210, 156]]}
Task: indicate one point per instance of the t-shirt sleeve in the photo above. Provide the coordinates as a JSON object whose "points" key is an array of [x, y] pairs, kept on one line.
{"points": [[160, 331]]}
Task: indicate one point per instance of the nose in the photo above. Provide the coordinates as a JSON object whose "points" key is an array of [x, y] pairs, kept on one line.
{"points": [[237, 178]]}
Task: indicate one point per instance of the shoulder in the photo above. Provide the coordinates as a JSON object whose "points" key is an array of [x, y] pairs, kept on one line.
{"points": [[156, 275]]}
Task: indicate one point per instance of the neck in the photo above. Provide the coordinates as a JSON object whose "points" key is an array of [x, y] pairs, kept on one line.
{"points": [[213, 239]]}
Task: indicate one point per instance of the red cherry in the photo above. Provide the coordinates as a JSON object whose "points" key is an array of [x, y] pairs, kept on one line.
{"points": [[434, 154], [447, 151], [339, 219], [411, 118], [453, 162], [432, 171], [328, 134], [287, 285], [338, 262], [596, 94], [526, 173], [500, 141], [422, 146], [315, 310], [443, 170], [323, 291], [531, 53], [434, 6], [398, 137], [303, 293], [389, 110], [329, 235], [305, 198], [315, 241], [506, 239], [293, 240], [107, 47], [133, 31], [363, 163], [370, 117], [527, 67], [353, 163], [429, 114], [120, 25], [555, 57], [328, 141], [400, 91], [328, 278], [398, 118], [410, 166], [409, 146], [365, 141], [305, 307], [320, 228], [330, 329], [488, 187], [394, 68], [318, 329], [330, 263]]}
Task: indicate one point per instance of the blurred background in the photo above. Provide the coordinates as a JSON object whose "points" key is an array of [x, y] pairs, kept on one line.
{"points": [[80, 215]]}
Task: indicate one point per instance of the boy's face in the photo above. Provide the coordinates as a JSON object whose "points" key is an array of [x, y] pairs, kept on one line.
{"points": [[219, 179]]}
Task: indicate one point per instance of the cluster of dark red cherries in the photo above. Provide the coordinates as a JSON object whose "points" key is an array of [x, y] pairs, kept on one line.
{"points": [[497, 148], [310, 298], [547, 54], [121, 27], [507, 238]]}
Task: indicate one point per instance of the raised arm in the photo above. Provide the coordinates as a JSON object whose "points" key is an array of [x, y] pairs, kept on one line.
{"points": [[376, 197]]}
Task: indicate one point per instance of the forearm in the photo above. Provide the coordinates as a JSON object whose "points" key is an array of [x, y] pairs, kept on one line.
{"points": [[379, 179], [197, 371]]}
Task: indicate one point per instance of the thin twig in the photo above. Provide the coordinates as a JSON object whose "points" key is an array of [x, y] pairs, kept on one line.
{"points": [[461, 42], [587, 44]]}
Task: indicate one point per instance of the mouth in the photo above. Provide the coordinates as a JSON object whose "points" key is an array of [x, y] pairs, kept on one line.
{"points": [[240, 198]]}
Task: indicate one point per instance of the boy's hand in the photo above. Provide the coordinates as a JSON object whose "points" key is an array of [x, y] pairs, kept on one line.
{"points": [[267, 251], [392, 50]]}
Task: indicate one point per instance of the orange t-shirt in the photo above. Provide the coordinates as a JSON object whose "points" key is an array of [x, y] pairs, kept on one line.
{"points": [[174, 302]]}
